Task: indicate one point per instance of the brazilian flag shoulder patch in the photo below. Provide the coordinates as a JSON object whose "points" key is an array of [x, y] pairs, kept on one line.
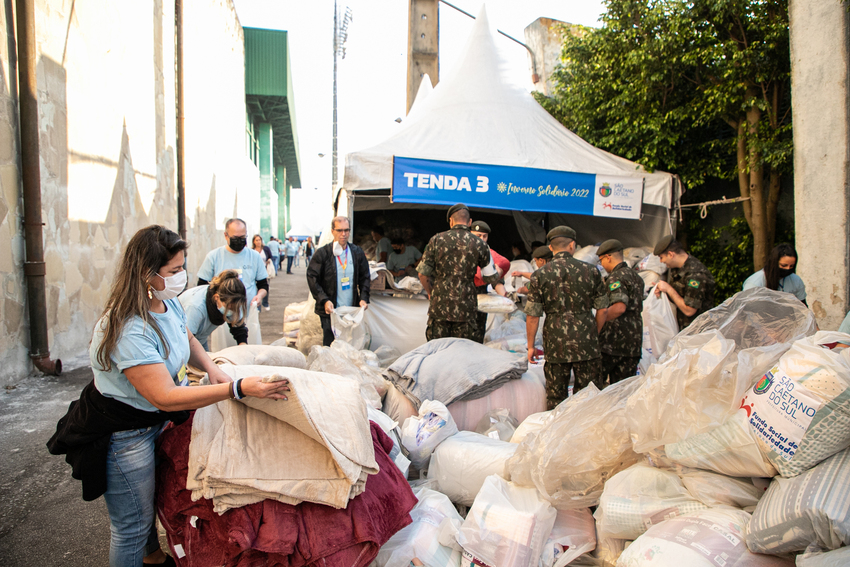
{"points": [[614, 286], [694, 284]]}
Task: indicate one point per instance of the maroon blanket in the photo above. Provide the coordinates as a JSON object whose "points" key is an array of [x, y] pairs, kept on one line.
{"points": [[270, 533]]}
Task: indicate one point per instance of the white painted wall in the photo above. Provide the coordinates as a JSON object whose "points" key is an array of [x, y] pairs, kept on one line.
{"points": [[107, 124]]}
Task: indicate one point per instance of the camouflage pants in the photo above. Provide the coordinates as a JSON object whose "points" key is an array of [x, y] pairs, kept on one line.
{"points": [[458, 329], [558, 378], [616, 368], [480, 327]]}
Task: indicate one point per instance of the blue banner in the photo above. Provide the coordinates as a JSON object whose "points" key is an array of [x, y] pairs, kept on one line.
{"points": [[515, 188]]}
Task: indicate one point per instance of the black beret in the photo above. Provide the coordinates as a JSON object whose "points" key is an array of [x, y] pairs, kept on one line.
{"points": [[663, 244], [543, 252], [454, 209], [480, 226], [609, 246], [561, 232]]}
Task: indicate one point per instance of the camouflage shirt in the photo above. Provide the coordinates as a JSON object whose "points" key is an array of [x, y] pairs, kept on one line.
{"points": [[450, 260], [623, 336], [695, 284], [566, 290]]}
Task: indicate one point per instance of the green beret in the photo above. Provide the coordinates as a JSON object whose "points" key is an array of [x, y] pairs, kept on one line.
{"points": [[561, 232], [454, 209], [480, 226], [663, 244], [543, 252], [609, 246]]}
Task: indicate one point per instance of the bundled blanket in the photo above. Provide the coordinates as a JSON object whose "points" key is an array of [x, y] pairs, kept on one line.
{"points": [[450, 370], [273, 533], [313, 447]]}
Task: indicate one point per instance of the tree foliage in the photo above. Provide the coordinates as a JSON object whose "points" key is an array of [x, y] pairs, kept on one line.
{"points": [[699, 88]]}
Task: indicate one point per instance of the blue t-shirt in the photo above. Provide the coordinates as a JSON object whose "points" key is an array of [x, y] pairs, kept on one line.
{"points": [[194, 302], [274, 246], [845, 324], [291, 248], [789, 284], [138, 345], [248, 263], [345, 269]]}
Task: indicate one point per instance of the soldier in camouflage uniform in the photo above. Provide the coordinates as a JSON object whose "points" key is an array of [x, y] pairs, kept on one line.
{"points": [[689, 285], [566, 290], [482, 230], [447, 270], [622, 332]]}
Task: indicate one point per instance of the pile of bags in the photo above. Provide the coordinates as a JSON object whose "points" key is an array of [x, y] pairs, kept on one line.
{"points": [[292, 315]]}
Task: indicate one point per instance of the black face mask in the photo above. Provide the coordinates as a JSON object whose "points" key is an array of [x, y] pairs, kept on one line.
{"points": [[397, 250], [784, 273], [237, 243]]}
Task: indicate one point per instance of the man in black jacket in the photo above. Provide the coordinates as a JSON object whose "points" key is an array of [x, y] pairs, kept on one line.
{"points": [[338, 274]]}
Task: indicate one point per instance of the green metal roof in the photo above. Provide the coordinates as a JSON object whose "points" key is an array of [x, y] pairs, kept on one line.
{"points": [[269, 94]]}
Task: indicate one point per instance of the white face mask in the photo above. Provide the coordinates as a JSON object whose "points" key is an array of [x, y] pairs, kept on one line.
{"points": [[173, 286], [338, 250]]}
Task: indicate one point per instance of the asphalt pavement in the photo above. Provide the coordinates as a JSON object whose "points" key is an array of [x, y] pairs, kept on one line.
{"points": [[44, 521]]}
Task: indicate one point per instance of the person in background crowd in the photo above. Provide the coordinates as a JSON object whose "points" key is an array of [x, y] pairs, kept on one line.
{"points": [[542, 255], [274, 246], [290, 249], [235, 256], [621, 326], [689, 285], [309, 248], [298, 253], [447, 271], [139, 352], [518, 251], [567, 291], [482, 230], [845, 324], [403, 260], [384, 246], [778, 273], [338, 275], [209, 306], [266, 254]]}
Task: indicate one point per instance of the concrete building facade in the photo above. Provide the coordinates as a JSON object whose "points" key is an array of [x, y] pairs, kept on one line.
{"points": [[820, 83], [107, 131]]}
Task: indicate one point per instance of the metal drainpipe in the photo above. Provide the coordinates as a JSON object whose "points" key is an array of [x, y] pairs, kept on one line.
{"points": [[181, 171], [34, 268]]}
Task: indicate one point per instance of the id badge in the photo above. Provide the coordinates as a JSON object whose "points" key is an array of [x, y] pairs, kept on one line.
{"points": [[182, 380], [345, 284]]}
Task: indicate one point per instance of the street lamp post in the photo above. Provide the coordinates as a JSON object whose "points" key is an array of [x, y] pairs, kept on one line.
{"points": [[340, 37]]}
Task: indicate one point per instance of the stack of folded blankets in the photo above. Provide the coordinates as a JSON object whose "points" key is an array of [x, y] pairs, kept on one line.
{"points": [[268, 482]]}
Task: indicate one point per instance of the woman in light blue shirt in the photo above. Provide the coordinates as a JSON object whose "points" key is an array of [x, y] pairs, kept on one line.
{"points": [[210, 306], [139, 352], [778, 273]]}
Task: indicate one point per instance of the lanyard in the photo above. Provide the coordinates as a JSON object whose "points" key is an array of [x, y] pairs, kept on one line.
{"points": [[344, 266]]}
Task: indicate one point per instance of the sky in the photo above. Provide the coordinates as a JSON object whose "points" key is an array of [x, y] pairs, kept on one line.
{"points": [[372, 78]]}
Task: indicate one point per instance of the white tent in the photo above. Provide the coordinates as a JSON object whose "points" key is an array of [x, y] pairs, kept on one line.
{"points": [[480, 115]]}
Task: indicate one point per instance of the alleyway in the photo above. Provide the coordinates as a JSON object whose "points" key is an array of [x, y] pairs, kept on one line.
{"points": [[43, 519]]}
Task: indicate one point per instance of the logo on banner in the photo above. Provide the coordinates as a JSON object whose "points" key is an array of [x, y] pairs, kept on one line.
{"points": [[605, 190]]}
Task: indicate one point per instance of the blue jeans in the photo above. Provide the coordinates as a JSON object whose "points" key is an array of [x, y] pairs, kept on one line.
{"points": [[276, 262], [130, 483], [289, 260]]}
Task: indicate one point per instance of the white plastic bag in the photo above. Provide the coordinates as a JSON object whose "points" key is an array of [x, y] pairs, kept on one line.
{"points": [[348, 326], [684, 395], [639, 497], [573, 535], [652, 262], [633, 256], [507, 525], [497, 424], [659, 328], [715, 490], [708, 538], [582, 445], [495, 303], [800, 410], [532, 424], [838, 558], [390, 427], [587, 254], [461, 463], [420, 540], [421, 434], [650, 279]]}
